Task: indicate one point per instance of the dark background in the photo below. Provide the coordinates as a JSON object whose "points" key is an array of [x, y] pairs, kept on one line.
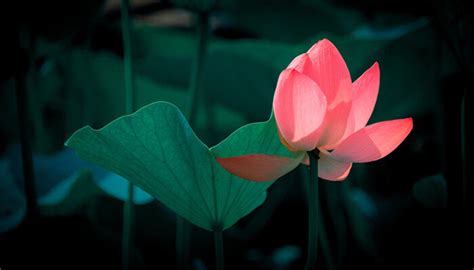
{"points": [[411, 209]]}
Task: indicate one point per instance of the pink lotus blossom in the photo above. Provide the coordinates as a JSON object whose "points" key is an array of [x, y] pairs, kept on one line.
{"points": [[318, 107]]}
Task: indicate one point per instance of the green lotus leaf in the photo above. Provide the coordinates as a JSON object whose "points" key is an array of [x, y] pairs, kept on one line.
{"points": [[156, 149], [255, 152]]}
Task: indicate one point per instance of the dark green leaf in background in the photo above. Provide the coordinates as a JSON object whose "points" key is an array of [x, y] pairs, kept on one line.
{"points": [[195, 5]]}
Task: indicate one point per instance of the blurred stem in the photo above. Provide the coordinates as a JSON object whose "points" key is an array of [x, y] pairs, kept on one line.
{"points": [[324, 241], [463, 146], [196, 75], [127, 234], [128, 209], [23, 123], [336, 215], [127, 57], [219, 248], [183, 227], [313, 209], [183, 237], [466, 146]]}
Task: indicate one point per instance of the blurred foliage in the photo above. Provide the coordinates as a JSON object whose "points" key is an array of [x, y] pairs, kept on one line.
{"points": [[276, 20], [42, 17], [71, 196], [195, 5], [455, 23], [12, 200], [431, 191]]}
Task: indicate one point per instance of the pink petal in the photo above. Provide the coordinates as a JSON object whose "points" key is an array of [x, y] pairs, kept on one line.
{"points": [[374, 141], [334, 125], [259, 167], [299, 107], [303, 64], [330, 72], [332, 169], [364, 95]]}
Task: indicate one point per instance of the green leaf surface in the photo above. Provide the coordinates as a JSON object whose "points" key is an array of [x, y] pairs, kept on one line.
{"points": [[255, 152], [255, 138], [156, 149]]}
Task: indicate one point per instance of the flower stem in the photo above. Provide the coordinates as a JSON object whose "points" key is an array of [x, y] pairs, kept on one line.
{"points": [[313, 208], [127, 233], [463, 146], [219, 249], [128, 209], [183, 239], [196, 75], [183, 227], [23, 123], [127, 57]]}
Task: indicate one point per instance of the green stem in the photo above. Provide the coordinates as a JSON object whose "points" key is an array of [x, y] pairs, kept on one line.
{"points": [[313, 207], [128, 210], [183, 239], [196, 75], [127, 233], [463, 147], [183, 227], [219, 249], [127, 57], [324, 243], [23, 123]]}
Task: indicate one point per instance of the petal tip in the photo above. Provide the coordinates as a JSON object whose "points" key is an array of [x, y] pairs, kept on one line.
{"points": [[374, 141], [326, 42], [409, 122], [290, 71], [321, 44], [303, 63], [376, 68]]}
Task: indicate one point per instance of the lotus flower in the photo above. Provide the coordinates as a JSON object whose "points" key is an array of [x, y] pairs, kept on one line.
{"points": [[318, 108]]}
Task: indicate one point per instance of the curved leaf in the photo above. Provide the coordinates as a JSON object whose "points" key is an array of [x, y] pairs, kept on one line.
{"points": [[156, 149], [257, 143], [255, 138]]}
